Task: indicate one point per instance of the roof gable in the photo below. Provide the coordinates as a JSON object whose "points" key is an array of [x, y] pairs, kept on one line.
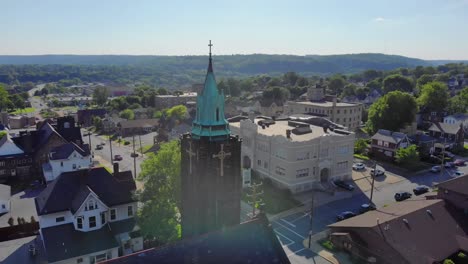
{"points": [[64, 151], [8, 147], [389, 136], [451, 129]]}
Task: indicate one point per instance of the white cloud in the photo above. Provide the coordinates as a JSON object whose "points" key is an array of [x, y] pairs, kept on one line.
{"points": [[379, 19]]}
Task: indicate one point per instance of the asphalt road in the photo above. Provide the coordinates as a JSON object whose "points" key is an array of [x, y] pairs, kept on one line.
{"points": [[293, 229]]}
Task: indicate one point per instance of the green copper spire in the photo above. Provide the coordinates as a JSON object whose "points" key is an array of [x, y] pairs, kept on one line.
{"points": [[210, 122]]}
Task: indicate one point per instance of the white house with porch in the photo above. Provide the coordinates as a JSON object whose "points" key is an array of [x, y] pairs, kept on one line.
{"points": [[293, 154], [87, 216], [65, 158]]}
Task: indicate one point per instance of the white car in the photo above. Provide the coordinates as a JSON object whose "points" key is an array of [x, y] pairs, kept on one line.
{"points": [[379, 173], [359, 166]]}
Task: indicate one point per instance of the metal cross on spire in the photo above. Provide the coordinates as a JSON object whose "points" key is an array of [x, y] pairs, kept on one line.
{"points": [[210, 45]]}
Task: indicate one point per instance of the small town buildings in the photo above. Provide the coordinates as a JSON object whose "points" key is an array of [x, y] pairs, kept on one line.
{"points": [[21, 121], [448, 133], [5, 196], [457, 119], [14, 162], [109, 124], [385, 143], [345, 114], [87, 216], [85, 116], [137, 127], [167, 101], [249, 242], [415, 231], [294, 154], [65, 158], [269, 109]]}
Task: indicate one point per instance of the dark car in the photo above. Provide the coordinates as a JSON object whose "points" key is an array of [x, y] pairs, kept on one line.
{"points": [[118, 158], [344, 185], [420, 190], [98, 147], [345, 215], [401, 196], [366, 207], [459, 162]]}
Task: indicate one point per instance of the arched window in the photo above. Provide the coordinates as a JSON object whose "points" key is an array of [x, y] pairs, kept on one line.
{"points": [[217, 114]]}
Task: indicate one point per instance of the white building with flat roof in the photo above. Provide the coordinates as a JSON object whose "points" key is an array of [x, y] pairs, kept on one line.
{"points": [[293, 154]]}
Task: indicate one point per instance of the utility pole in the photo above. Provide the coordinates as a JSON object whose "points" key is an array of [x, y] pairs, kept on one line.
{"points": [[134, 156], [442, 160], [373, 182], [88, 133], [311, 217], [141, 147], [255, 195], [110, 146]]}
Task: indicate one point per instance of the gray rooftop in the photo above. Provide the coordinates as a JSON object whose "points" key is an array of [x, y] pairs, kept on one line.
{"points": [[389, 136]]}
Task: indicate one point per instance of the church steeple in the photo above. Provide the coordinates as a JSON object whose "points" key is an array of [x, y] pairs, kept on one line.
{"points": [[210, 122]]}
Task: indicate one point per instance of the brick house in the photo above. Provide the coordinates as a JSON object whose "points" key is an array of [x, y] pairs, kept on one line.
{"points": [[385, 143], [452, 133]]}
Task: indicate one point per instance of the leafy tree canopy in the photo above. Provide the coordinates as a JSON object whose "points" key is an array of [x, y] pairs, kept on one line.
{"points": [[434, 97], [127, 114], [392, 111], [407, 156], [100, 95], [397, 82]]}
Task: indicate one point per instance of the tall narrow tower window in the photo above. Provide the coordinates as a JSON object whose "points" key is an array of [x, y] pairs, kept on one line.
{"points": [[217, 114]]}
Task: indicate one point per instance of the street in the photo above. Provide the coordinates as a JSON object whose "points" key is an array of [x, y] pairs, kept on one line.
{"points": [[293, 229]]}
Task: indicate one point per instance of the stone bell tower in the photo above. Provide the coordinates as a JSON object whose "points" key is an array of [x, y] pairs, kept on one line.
{"points": [[210, 165]]}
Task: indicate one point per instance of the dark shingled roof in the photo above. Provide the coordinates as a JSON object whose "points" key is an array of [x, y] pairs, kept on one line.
{"points": [[250, 242], [459, 185], [451, 129], [64, 242], [64, 151], [63, 193], [123, 226]]}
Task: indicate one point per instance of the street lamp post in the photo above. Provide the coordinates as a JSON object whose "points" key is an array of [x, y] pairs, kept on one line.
{"points": [[311, 217], [373, 182]]}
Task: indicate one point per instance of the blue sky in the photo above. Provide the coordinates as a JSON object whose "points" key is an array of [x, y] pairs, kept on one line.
{"points": [[423, 29]]}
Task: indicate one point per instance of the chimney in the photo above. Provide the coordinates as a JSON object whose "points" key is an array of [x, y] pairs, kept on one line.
{"points": [[288, 133], [116, 168]]}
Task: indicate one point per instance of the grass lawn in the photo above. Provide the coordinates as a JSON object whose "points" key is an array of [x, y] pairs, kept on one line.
{"points": [[26, 110], [275, 200], [360, 156], [144, 148]]}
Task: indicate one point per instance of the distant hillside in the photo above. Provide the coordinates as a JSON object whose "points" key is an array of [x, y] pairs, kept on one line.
{"points": [[233, 65]]}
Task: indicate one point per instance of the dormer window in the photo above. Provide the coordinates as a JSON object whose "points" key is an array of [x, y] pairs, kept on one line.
{"points": [[92, 204]]}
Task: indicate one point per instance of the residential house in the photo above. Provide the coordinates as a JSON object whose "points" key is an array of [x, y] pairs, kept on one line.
{"points": [[14, 162], [425, 118], [385, 143], [424, 142], [373, 96], [457, 119], [415, 231], [250, 242], [87, 216], [85, 116], [137, 127], [21, 121], [296, 154], [65, 158], [448, 133], [5, 196]]}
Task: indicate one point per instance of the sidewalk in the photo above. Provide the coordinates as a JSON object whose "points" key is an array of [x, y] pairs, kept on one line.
{"points": [[332, 257]]}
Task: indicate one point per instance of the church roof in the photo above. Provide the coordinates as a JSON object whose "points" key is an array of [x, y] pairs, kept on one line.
{"points": [[210, 121], [249, 242]]}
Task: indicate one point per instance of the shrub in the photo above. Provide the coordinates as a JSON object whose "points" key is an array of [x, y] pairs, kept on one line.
{"points": [[126, 143], [328, 245], [11, 221], [461, 255], [448, 261]]}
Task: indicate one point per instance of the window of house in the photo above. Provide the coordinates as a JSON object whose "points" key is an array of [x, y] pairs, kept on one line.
{"points": [[92, 221], [103, 218], [350, 119], [342, 165], [3, 206], [74, 166], [2, 172], [130, 210], [338, 111], [61, 163], [2, 163], [385, 144], [100, 257], [79, 223], [280, 171], [302, 155], [59, 219], [344, 111], [259, 162], [265, 165], [112, 214], [302, 173]]}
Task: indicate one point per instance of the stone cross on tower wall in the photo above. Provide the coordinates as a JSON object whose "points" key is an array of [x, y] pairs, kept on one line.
{"points": [[221, 156], [191, 154]]}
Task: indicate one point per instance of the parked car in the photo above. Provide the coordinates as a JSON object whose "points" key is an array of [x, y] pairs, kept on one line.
{"points": [[436, 169], [400, 196], [118, 157], [359, 166], [98, 147], [458, 173], [345, 215], [449, 165], [378, 173], [366, 207], [420, 190], [459, 162], [344, 185], [449, 154]]}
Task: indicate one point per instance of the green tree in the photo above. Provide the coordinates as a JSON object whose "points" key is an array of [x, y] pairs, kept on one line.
{"points": [[349, 90], [17, 101], [371, 75], [459, 103], [158, 215], [4, 99], [100, 95], [336, 84], [162, 91], [433, 97], [127, 114], [97, 122], [177, 112], [360, 146], [424, 79], [275, 94], [407, 156], [396, 82], [375, 84], [392, 111]]}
